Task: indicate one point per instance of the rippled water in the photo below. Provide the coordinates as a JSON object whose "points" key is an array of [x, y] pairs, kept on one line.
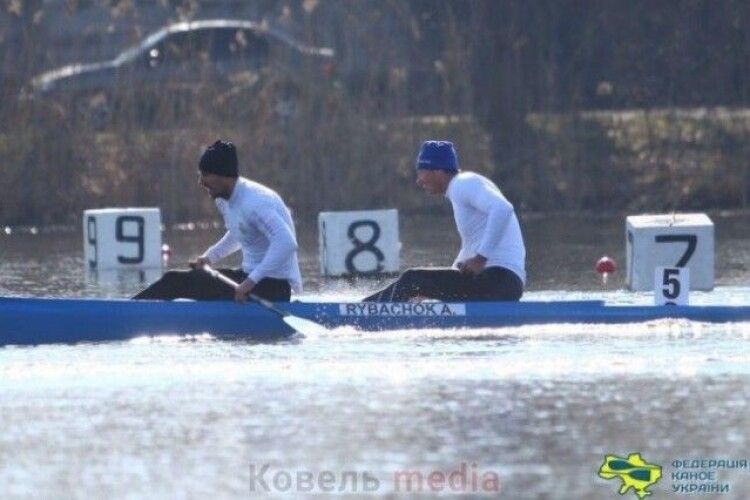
{"points": [[540, 406]]}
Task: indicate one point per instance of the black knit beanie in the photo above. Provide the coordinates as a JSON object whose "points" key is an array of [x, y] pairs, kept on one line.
{"points": [[220, 158]]}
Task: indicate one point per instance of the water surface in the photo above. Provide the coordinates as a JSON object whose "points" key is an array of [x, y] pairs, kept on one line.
{"points": [[188, 417]]}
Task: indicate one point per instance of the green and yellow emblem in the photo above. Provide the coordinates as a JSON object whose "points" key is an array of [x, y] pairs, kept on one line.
{"points": [[634, 472]]}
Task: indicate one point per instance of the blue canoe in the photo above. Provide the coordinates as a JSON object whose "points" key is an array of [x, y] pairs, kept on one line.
{"points": [[31, 321]]}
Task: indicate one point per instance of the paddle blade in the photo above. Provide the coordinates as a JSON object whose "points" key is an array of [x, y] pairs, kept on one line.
{"points": [[304, 326]]}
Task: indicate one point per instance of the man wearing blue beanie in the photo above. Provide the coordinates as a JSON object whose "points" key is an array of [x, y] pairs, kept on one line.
{"points": [[258, 223], [491, 263]]}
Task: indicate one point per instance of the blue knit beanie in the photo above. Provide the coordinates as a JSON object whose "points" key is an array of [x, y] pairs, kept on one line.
{"points": [[437, 155]]}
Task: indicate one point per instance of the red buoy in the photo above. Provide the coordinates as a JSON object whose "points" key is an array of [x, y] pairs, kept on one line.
{"points": [[605, 266]]}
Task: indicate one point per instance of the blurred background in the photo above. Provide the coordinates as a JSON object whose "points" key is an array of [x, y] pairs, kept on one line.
{"points": [[575, 106]]}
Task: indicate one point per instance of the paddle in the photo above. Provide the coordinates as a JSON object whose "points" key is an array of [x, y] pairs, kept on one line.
{"points": [[301, 325]]}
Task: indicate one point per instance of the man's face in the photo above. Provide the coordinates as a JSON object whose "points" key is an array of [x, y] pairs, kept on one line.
{"points": [[215, 185], [432, 181]]}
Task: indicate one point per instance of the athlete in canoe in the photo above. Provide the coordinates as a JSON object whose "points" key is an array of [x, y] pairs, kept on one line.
{"points": [[258, 223], [491, 263]]}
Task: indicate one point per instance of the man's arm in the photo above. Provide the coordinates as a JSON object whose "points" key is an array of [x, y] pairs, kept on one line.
{"points": [[227, 245], [282, 245], [499, 211], [490, 201]]}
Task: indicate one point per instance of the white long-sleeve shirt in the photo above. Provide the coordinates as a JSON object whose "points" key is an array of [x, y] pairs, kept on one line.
{"points": [[487, 223], [259, 223]]}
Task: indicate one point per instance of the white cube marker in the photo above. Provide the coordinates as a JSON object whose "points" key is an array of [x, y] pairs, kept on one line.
{"points": [[674, 240], [122, 238], [359, 243]]}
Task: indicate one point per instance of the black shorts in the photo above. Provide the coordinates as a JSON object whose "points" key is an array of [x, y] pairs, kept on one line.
{"points": [[448, 284], [199, 285]]}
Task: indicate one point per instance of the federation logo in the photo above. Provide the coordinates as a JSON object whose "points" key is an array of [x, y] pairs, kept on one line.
{"points": [[634, 472]]}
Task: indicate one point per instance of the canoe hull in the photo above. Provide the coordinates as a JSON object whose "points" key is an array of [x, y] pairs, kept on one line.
{"points": [[31, 321], [45, 321]]}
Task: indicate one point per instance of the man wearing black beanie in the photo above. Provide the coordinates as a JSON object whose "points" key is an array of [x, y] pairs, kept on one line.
{"points": [[258, 223]]}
